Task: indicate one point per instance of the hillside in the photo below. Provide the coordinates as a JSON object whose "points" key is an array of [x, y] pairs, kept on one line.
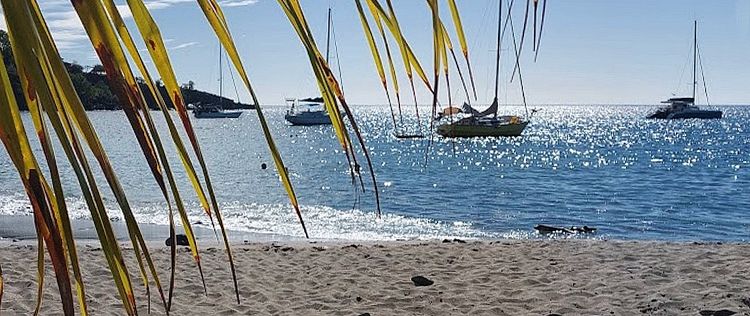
{"points": [[94, 91]]}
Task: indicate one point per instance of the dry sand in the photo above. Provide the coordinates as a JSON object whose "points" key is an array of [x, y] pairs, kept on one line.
{"points": [[567, 277]]}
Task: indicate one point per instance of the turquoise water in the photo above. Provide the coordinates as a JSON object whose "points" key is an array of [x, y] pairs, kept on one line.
{"points": [[601, 166]]}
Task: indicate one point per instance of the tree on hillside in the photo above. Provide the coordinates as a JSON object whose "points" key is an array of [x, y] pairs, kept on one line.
{"points": [[190, 85], [97, 69], [10, 64], [93, 88]]}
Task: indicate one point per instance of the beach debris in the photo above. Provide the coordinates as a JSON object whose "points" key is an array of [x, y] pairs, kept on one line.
{"points": [[421, 281], [746, 301], [365, 314], [546, 229], [456, 240], [359, 299], [721, 312], [182, 240], [263, 166]]}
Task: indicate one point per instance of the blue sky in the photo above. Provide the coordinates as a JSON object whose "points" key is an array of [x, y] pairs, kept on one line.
{"points": [[621, 52]]}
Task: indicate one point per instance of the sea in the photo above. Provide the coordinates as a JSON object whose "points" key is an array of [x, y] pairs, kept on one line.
{"points": [[601, 166]]}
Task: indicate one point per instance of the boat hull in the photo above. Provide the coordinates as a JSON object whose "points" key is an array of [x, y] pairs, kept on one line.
{"points": [[202, 115], [308, 118], [408, 136], [687, 115], [696, 115], [466, 130]]}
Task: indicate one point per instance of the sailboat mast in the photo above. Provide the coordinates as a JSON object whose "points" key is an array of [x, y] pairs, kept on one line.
{"points": [[497, 56], [328, 36], [221, 78], [695, 56]]}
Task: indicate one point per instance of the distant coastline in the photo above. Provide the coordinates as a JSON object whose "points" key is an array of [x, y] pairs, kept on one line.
{"points": [[93, 89]]}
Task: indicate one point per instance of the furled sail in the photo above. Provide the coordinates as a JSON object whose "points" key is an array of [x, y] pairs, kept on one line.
{"points": [[492, 110]]}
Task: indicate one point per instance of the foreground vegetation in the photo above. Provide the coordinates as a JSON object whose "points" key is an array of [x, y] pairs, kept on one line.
{"points": [[57, 94], [95, 93]]}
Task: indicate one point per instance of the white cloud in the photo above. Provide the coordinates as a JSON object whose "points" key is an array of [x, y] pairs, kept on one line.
{"points": [[65, 27], [68, 31], [236, 3]]}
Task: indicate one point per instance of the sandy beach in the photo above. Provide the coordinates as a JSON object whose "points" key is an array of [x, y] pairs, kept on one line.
{"points": [[533, 277]]}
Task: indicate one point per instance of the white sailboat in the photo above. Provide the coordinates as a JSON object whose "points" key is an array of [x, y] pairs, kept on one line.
{"points": [[216, 111], [310, 111], [485, 123]]}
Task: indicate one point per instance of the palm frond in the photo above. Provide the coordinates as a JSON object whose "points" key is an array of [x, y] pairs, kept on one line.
{"points": [[330, 90], [462, 40], [411, 63], [140, 15], [376, 57], [394, 79], [13, 136], [1, 286]]}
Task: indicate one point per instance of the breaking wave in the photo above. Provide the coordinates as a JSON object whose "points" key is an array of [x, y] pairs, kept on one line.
{"points": [[276, 219]]}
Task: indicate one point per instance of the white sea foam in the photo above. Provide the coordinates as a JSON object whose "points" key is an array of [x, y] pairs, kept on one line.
{"points": [[322, 222]]}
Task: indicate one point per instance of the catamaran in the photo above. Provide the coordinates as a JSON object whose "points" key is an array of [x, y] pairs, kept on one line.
{"points": [[485, 123], [684, 107], [310, 111]]}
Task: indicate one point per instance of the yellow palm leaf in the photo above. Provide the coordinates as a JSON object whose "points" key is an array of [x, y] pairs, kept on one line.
{"points": [[215, 17], [13, 137], [1, 286], [411, 63], [438, 45], [462, 41], [155, 44], [133, 51], [376, 16], [376, 57], [449, 47], [69, 104], [330, 89]]}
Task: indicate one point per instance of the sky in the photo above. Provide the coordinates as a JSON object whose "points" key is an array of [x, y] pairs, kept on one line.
{"points": [[592, 52]]}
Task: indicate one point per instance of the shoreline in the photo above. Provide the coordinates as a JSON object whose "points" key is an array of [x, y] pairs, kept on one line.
{"points": [[20, 229], [502, 277]]}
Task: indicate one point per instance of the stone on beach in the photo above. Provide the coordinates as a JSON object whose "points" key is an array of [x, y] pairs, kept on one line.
{"points": [[721, 312], [421, 281], [182, 240]]}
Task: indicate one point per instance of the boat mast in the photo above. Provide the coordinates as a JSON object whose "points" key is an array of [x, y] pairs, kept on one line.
{"points": [[497, 56], [221, 79], [328, 36], [695, 53]]}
